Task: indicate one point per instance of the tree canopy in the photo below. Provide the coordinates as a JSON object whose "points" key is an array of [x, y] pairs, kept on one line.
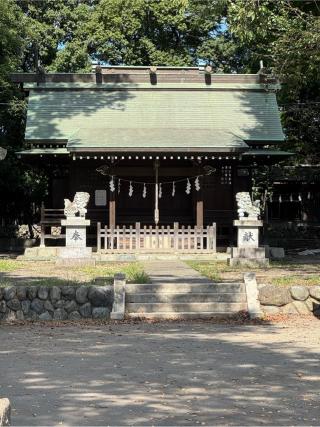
{"points": [[231, 35]]}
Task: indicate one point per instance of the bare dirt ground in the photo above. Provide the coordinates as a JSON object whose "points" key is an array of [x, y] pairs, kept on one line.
{"points": [[179, 373]]}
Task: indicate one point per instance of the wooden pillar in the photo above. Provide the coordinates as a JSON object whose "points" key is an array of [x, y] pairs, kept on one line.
{"points": [[199, 204], [112, 209], [112, 200]]}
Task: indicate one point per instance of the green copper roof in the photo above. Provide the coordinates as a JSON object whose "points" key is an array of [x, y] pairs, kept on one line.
{"points": [[181, 119]]}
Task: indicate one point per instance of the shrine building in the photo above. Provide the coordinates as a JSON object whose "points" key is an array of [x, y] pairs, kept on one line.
{"points": [[155, 147]]}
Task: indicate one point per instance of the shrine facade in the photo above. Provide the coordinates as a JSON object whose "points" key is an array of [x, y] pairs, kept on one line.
{"points": [[153, 146]]}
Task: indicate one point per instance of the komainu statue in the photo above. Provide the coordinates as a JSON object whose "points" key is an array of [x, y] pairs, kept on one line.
{"points": [[246, 207], [79, 204]]}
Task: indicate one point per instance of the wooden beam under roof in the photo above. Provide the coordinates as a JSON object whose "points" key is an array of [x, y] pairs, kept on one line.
{"points": [[134, 76]]}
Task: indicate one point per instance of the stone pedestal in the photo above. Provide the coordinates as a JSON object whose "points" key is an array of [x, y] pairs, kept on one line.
{"points": [[76, 250], [248, 251]]}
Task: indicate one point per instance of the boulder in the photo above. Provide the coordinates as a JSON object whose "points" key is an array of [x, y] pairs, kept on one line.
{"points": [[9, 293], [85, 310], [276, 253], [14, 304], [43, 292], [20, 315], [68, 292], [3, 306], [45, 316], [10, 316], [25, 306], [100, 313], [37, 306], [70, 306], [289, 309], [100, 296], [301, 307], [1, 293], [313, 304], [60, 314], [299, 293], [59, 304], [48, 306], [74, 315], [32, 292], [55, 293], [274, 295], [21, 293], [82, 294], [315, 292], [270, 309], [32, 315]]}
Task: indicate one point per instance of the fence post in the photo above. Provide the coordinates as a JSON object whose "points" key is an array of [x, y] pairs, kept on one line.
{"points": [[176, 235], [42, 226], [119, 290], [137, 235], [214, 237], [98, 236]]}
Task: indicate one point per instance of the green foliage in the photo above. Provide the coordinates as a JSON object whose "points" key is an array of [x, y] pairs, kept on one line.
{"points": [[19, 184], [55, 34], [159, 32], [286, 35], [231, 35]]}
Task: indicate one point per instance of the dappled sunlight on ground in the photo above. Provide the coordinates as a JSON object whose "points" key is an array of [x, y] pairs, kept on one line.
{"points": [[168, 373]]}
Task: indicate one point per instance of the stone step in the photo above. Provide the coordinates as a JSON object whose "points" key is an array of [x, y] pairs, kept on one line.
{"points": [[181, 315], [184, 288], [187, 297], [195, 307]]}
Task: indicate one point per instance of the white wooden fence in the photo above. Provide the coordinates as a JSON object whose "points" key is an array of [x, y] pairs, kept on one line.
{"points": [[156, 239]]}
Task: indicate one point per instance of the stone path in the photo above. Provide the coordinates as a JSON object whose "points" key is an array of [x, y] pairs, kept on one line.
{"points": [[162, 272], [164, 374]]}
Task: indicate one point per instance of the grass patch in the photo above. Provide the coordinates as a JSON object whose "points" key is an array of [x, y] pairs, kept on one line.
{"points": [[48, 274], [45, 281], [312, 280], [212, 270], [9, 265], [134, 272]]}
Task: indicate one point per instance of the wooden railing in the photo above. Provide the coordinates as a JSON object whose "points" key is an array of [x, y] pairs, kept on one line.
{"points": [[156, 239]]}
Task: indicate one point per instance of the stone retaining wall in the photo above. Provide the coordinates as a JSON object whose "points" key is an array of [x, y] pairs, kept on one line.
{"points": [[55, 303], [290, 300]]}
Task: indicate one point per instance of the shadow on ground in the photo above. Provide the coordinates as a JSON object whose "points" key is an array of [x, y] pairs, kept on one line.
{"points": [[161, 374]]}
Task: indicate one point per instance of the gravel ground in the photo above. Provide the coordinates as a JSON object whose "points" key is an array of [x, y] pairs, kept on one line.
{"points": [[184, 373]]}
